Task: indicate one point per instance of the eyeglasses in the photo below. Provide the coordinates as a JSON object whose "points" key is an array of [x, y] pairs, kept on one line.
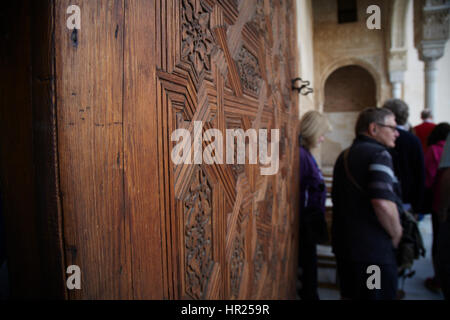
{"points": [[393, 128]]}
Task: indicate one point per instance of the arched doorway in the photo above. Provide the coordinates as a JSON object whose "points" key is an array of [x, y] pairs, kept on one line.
{"points": [[348, 90]]}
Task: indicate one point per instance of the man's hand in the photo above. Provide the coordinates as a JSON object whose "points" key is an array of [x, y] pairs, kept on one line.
{"points": [[396, 241], [389, 218]]}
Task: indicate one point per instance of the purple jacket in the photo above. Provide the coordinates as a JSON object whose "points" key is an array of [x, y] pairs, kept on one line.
{"points": [[312, 188]]}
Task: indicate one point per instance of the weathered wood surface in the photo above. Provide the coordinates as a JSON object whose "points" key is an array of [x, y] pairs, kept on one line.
{"points": [[139, 226]]}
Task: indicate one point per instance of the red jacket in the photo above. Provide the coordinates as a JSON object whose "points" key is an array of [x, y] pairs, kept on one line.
{"points": [[422, 131]]}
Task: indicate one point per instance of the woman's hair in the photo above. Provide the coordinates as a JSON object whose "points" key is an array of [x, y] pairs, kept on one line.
{"points": [[439, 133], [313, 125]]}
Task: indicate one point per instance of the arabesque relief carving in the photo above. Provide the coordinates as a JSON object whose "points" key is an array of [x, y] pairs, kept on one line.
{"points": [[258, 262], [198, 237], [249, 72], [237, 265], [197, 39]]}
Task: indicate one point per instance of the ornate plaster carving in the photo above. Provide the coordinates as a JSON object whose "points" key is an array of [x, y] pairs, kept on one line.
{"points": [[436, 22], [398, 60], [435, 29], [431, 50]]}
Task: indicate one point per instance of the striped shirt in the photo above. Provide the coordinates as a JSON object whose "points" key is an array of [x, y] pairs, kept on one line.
{"points": [[382, 182], [357, 234]]}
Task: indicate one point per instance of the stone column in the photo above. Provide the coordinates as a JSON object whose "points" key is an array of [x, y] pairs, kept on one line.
{"points": [[430, 84], [396, 78], [433, 37], [397, 68], [397, 90], [430, 52]]}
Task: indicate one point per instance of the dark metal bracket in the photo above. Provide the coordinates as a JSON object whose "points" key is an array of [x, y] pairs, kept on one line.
{"points": [[304, 88]]}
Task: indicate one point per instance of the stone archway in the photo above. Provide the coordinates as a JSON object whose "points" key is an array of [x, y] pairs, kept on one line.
{"points": [[380, 83], [347, 91]]}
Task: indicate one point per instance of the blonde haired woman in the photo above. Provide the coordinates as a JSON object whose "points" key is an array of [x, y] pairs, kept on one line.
{"points": [[313, 127]]}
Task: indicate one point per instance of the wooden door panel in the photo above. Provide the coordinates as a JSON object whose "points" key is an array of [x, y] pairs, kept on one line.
{"points": [[221, 65], [143, 189], [90, 146], [112, 93]]}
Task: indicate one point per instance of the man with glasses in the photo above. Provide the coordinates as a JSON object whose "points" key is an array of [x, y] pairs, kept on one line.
{"points": [[366, 225]]}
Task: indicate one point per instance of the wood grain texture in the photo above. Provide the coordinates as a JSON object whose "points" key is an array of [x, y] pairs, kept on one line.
{"points": [[144, 194], [99, 106], [255, 249], [89, 86]]}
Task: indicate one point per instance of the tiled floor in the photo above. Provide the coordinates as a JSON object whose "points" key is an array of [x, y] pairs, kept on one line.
{"points": [[414, 287]]}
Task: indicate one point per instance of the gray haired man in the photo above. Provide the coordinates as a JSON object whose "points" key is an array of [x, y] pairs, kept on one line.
{"points": [[366, 225]]}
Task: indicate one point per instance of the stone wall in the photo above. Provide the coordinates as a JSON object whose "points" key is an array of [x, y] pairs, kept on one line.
{"points": [[338, 45], [305, 42], [325, 46]]}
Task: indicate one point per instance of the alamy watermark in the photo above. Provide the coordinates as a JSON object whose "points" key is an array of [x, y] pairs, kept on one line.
{"points": [[74, 20], [374, 20], [374, 280], [188, 150], [74, 280]]}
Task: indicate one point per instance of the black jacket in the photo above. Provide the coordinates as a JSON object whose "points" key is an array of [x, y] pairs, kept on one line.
{"points": [[409, 167]]}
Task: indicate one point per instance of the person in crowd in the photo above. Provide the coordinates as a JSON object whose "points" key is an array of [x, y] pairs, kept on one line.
{"points": [[408, 159], [423, 130], [436, 142], [443, 212], [366, 225], [313, 127]]}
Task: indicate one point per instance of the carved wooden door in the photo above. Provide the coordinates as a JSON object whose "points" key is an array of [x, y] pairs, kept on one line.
{"points": [[229, 64], [99, 105]]}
